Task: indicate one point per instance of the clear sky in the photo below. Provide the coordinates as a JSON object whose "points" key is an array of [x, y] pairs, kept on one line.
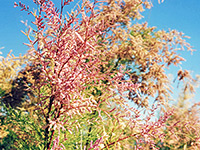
{"points": [[183, 15]]}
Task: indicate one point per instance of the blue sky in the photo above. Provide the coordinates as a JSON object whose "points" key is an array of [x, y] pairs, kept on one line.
{"points": [[183, 15]]}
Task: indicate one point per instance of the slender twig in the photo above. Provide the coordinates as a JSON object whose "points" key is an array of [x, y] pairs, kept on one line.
{"points": [[47, 122], [89, 132], [61, 10]]}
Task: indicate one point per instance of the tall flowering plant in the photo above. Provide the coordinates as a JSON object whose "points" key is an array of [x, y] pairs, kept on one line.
{"points": [[89, 64], [64, 50]]}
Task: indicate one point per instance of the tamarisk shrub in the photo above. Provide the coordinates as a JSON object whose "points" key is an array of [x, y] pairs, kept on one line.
{"points": [[91, 62], [182, 130], [9, 67]]}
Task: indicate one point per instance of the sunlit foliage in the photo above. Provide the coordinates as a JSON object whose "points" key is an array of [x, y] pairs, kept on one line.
{"points": [[94, 80]]}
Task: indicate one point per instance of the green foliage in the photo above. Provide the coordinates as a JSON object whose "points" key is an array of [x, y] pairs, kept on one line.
{"points": [[2, 92], [24, 130]]}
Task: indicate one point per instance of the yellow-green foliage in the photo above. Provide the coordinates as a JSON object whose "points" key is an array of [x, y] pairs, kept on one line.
{"points": [[9, 68]]}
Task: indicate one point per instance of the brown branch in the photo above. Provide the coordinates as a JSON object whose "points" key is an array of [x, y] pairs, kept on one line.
{"points": [[47, 122]]}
